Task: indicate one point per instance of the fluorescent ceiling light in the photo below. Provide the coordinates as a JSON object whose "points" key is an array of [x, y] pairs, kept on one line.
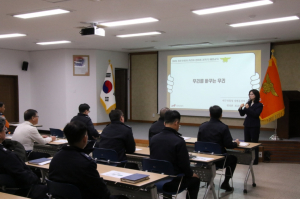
{"points": [[53, 42], [232, 7], [42, 13], [12, 35], [140, 34], [129, 22], [264, 21], [191, 45]]}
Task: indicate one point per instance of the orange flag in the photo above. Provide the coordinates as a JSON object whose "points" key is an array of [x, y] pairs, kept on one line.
{"points": [[271, 94]]}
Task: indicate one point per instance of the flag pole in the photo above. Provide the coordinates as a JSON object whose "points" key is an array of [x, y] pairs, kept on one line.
{"points": [[274, 136]]}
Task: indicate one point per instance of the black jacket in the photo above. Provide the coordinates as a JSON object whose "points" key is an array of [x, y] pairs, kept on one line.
{"points": [[72, 165], [253, 113], [12, 165], [89, 124], [217, 132], [119, 137], [16, 147], [170, 146], [156, 127]]}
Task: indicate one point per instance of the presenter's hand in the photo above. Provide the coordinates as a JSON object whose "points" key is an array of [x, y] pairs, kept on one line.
{"points": [[247, 106], [45, 136], [241, 106], [170, 83], [255, 81], [53, 138], [237, 141], [195, 175]]}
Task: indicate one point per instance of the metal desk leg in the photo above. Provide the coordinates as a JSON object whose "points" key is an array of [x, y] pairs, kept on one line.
{"points": [[44, 173], [250, 169], [211, 183]]}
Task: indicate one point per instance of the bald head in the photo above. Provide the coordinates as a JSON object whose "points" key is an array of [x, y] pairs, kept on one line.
{"points": [[163, 111]]}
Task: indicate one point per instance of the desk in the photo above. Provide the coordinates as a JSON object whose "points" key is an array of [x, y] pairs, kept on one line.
{"points": [[145, 189], [244, 154], [51, 148], [9, 196], [206, 170]]}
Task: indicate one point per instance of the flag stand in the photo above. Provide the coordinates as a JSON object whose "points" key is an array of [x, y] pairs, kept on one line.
{"points": [[274, 136]]}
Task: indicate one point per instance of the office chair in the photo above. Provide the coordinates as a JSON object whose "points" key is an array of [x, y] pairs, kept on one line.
{"points": [[163, 167], [214, 149], [62, 190], [107, 156], [57, 133], [8, 185]]}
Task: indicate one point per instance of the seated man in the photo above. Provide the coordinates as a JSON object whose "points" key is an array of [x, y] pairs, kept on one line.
{"points": [[118, 136], [74, 166], [170, 146], [2, 109], [217, 132], [13, 166], [83, 116], [27, 134], [158, 125]]}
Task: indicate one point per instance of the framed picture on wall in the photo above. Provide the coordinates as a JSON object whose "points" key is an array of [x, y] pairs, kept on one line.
{"points": [[81, 65]]}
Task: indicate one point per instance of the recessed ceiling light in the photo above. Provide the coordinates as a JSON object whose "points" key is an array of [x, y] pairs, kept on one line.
{"points": [[41, 13], [190, 45], [140, 34], [11, 35], [129, 22], [265, 21], [53, 42], [251, 40], [232, 7]]}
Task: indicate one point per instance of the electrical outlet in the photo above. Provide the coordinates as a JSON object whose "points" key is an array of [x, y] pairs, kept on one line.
{"points": [[260, 154]]}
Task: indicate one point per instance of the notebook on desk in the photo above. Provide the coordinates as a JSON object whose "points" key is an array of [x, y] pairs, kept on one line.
{"points": [[135, 178], [40, 161]]}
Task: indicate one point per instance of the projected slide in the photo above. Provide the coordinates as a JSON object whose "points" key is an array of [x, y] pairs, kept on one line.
{"points": [[200, 81]]}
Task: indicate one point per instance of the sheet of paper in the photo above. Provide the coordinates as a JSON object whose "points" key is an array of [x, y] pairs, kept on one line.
{"points": [[186, 138], [61, 141], [202, 158], [116, 174], [244, 144], [46, 162], [137, 149]]}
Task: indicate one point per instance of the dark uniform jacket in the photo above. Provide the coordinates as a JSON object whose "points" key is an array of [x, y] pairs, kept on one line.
{"points": [[170, 146], [89, 124], [72, 165], [118, 136], [16, 147], [253, 113], [156, 127], [217, 132], [12, 165]]}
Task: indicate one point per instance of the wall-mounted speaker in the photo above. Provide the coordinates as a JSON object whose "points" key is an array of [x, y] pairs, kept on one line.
{"points": [[25, 65]]}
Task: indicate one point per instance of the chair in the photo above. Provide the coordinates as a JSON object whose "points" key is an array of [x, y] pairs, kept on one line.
{"points": [[62, 190], [57, 133], [8, 185], [216, 149], [107, 156], [163, 167]]}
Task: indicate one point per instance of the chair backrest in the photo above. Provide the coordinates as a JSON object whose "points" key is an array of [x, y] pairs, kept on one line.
{"points": [[57, 132], [108, 155], [208, 147], [7, 184], [158, 166], [63, 190]]}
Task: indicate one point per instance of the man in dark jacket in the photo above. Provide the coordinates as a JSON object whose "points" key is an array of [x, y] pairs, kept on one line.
{"points": [[73, 165], [158, 125], [118, 136], [170, 146], [13, 166], [217, 132], [83, 116]]}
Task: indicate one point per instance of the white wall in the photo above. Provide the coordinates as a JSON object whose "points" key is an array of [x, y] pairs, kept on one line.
{"points": [[11, 64]]}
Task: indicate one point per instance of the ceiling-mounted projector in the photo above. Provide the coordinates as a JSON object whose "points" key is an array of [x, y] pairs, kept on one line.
{"points": [[93, 31]]}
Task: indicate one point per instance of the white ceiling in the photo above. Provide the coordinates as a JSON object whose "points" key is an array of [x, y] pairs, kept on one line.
{"points": [[179, 24]]}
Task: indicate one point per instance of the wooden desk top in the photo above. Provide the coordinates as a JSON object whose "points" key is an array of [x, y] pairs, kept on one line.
{"points": [[145, 151], [9, 196], [104, 168], [191, 140], [17, 124]]}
